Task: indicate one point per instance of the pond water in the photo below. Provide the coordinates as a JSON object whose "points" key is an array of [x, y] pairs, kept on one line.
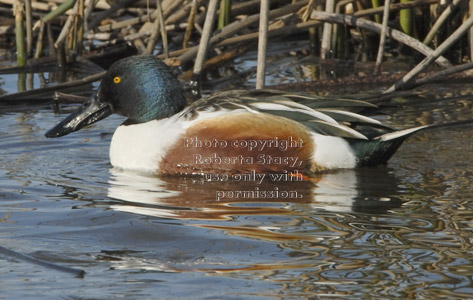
{"points": [[404, 230]]}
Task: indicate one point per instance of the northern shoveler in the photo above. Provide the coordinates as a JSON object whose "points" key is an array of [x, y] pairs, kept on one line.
{"points": [[228, 132]]}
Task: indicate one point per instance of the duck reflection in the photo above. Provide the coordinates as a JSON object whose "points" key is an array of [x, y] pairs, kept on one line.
{"points": [[369, 190], [303, 218]]}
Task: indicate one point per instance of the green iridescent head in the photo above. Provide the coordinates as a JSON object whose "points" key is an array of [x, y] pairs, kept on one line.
{"points": [[141, 88]]}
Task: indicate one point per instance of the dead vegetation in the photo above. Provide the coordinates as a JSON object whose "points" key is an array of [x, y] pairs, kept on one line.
{"points": [[201, 36]]}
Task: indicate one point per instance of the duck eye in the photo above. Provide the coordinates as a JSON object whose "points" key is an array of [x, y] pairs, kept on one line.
{"points": [[117, 79]]}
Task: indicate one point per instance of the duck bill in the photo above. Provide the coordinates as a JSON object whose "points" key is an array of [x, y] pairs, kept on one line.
{"points": [[94, 110]]}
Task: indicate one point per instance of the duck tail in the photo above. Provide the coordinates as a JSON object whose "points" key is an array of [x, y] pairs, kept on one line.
{"points": [[400, 134], [380, 149]]}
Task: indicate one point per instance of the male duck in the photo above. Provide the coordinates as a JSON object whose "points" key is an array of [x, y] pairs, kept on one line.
{"points": [[228, 132]]}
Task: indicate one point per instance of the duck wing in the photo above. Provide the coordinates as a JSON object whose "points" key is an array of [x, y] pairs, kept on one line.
{"points": [[333, 117], [372, 142]]}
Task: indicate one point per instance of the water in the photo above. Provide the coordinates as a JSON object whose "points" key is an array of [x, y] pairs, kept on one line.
{"points": [[399, 231]]}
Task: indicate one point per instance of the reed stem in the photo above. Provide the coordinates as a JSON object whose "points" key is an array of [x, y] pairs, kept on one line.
{"points": [[59, 10], [19, 33], [164, 36], [29, 27], [327, 31], [470, 36], [224, 13], [190, 24], [372, 26], [262, 44], [375, 3], [205, 39], [405, 19], [440, 21], [404, 82], [79, 27], [40, 40], [382, 37]]}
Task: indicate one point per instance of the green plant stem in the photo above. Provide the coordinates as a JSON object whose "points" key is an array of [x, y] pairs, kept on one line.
{"points": [[405, 19], [59, 10], [224, 13], [375, 4]]}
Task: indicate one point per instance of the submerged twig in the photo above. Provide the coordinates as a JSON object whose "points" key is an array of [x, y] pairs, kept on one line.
{"points": [[50, 89], [58, 96], [442, 74], [17, 255]]}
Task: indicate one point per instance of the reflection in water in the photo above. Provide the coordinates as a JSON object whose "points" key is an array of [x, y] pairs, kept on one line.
{"points": [[334, 240], [366, 190], [287, 223]]}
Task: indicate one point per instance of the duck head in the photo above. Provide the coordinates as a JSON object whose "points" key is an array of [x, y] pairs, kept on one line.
{"points": [[141, 88]]}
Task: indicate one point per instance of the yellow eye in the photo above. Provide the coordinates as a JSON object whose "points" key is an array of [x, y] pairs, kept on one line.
{"points": [[117, 79]]}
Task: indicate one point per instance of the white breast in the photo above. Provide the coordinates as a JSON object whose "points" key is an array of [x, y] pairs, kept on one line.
{"points": [[333, 152], [141, 147]]}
